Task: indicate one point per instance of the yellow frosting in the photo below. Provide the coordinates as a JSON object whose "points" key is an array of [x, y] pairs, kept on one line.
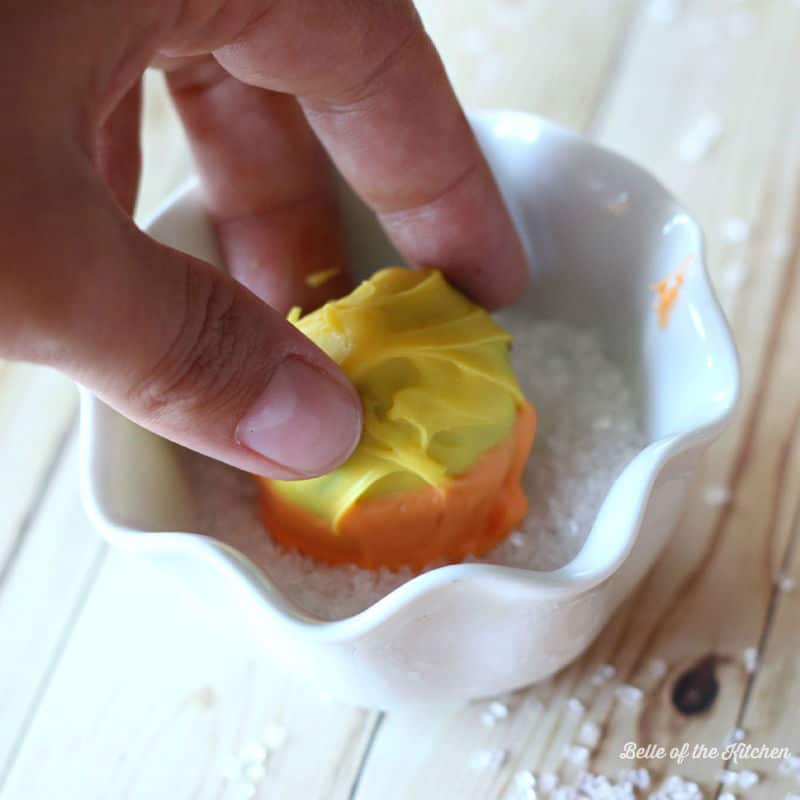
{"points": [[435, 379]]}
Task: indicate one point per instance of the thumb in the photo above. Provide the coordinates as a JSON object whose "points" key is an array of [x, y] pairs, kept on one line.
{"points": [[176, 345]]}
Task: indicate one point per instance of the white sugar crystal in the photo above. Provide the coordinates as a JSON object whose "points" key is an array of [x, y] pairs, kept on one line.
{"points": [[253, 753], [548, 781], [498, 710], [603, 674], [733, 276], [274, 736], [717, 495], [641, 778], [677, 788], [729, 777], [738, 734], [240, 790], [254, 772], [748, 779], [591, 785], [525, 779], [785, 583], [565, 793], [629, 695], [589, 735], [701, 138], [620, 204], [575, 706], [750, 659], [488, 719], [577, 754], [572, 384], [488, 759], [736, 230], [790, 765], [516, 539], [231, 769], [600, 787]]}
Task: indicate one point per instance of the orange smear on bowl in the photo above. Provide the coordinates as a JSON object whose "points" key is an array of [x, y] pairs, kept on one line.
{"points": [[468, 515], [668, 289]]}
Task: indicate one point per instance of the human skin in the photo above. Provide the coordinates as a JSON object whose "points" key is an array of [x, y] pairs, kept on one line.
{"points": [[269, 91]]}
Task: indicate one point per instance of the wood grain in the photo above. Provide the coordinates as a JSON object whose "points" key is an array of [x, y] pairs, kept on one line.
{"points": [[37, 408], [157, 694], [39, 600], [129, 686], [551, 58]]}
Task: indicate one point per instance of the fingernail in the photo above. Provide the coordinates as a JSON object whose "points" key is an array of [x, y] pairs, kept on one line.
{"points": [[304, 421]]}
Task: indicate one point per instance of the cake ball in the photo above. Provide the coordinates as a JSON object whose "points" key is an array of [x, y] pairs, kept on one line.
{"points": [[447, 431]]}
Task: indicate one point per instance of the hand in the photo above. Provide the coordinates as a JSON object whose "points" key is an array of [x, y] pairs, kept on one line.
{"points": [[267, 90]]}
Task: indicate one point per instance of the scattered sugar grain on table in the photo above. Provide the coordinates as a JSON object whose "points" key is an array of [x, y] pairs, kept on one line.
{"points": [[750, 659], [736, 230], [488, 759], [736, 735], [629, 695], [603, 674], [790, 765], [701, 137], [733, 276], [717, 496], [577, 754], [589, 735], [620, 204], [575, 706], [571, 382], [785, 583]]}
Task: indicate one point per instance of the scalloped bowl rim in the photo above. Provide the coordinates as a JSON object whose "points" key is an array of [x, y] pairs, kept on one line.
{"points": [[571, 579]]}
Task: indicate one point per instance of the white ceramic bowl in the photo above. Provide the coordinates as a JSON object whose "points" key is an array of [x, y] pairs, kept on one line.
{"points": [[471, 630]]}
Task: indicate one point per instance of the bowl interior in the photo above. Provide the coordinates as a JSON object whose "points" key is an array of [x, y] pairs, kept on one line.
{"points": [[599, 232]]}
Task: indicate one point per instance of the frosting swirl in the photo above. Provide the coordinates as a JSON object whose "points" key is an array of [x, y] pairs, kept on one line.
{"points": [[435, 379]]}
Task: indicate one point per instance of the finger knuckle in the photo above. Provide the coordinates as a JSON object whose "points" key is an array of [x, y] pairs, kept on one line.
{"points": [[202, 365]]}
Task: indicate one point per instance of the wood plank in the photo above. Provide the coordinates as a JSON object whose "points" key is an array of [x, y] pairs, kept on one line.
{"points": [[770, 714], [710, 594], [37, 408], [522, 53], [157, 691], [39, 598]]}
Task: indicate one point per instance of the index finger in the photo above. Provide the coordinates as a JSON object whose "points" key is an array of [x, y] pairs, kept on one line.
{"points": [[375, 91]]}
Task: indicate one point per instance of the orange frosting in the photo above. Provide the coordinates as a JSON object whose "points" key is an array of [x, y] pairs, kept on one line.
{"points": [[467, 515]]}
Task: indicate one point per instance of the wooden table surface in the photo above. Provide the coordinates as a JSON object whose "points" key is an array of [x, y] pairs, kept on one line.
{"points": [[115, 683]]}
